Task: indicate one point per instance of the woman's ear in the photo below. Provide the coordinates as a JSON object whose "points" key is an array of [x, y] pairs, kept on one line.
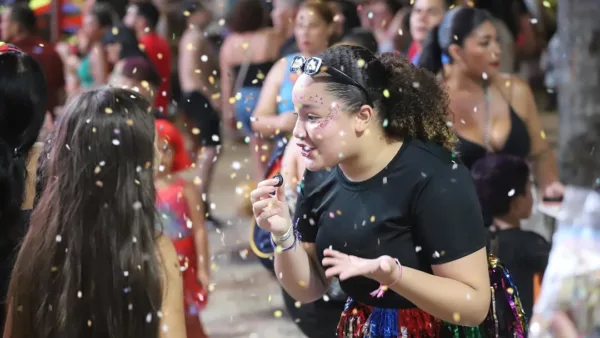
{"points": [[363, 119], [456, 53]]}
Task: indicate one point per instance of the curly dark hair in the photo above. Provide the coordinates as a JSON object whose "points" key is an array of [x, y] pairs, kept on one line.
{"points": [[410, 102]]}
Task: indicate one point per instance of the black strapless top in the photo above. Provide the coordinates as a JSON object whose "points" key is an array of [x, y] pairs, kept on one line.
{"points": [[256, 73], [518, 143]]}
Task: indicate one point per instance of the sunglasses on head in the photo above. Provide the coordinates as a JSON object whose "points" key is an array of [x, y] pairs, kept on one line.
{"points": [[314, 66]]}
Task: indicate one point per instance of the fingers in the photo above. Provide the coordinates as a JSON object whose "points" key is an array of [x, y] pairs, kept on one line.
{"points": [[334, 271], [334, 253], [267, 213], [267, 203], [280, 193], [261, 193], [270, 182], [330, 261]]}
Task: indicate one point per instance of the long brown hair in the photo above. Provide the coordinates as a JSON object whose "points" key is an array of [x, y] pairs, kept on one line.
{"points": [[88, 266]]}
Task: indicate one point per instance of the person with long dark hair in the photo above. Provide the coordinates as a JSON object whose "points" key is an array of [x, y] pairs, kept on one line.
{"points": [[383, 206], [493, 112], [121, 44], [92, 264], [23, 96]]}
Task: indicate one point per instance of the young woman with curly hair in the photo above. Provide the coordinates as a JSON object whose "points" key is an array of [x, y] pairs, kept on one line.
{"points": [[383, 205]]}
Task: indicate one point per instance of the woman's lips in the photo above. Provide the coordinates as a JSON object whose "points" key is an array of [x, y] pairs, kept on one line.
{"points": [[305, 150], [495, 64]]}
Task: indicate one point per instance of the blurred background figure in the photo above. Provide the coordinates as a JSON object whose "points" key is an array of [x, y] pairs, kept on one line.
{"points": [[19, 27], [182, 221], [244, 68], [121, 45], [23, 100], [142, 17], [504, 192]]}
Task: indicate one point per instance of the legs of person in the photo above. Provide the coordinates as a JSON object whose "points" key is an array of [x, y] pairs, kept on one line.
{"points": [[205, 159], [259, 156], [194, 327], [206, 136]]}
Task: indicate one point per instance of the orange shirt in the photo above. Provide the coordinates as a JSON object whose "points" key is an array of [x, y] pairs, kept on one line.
{"points": [[159, 52]]}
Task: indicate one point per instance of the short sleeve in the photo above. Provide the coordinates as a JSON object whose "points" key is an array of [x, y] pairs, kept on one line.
{"points": [[449, 222], [303, 219]]}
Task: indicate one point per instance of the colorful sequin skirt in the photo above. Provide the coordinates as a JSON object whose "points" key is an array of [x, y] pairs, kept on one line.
{"points": [[363, 321]]}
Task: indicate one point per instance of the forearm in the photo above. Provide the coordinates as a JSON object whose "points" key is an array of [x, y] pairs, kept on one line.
{"points": [[297, 274], [444, 298], [269, 126], [545, 168], [202, 250]]}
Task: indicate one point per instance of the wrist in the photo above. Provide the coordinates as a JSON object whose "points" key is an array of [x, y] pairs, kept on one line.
{"points": [[277, 235], [394, 275]]}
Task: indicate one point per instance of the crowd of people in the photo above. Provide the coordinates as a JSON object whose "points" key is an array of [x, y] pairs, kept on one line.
{"points": [[408, 147]]}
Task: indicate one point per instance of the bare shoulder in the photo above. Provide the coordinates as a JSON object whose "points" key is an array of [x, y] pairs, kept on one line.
{"points": [[518, 93], [513, 86]]}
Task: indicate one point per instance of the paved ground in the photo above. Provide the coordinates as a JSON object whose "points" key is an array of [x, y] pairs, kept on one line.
{"points": [[246, 300]]}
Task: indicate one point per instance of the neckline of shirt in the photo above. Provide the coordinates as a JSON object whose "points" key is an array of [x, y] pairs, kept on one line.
{"points": [[378, 178]]}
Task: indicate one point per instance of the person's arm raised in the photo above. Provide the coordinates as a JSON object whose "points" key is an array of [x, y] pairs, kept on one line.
{"points": [[266, 120], [296, 264]]}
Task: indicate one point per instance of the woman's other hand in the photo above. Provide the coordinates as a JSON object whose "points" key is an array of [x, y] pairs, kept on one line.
{"points": [[270, 207], [382, 269]]}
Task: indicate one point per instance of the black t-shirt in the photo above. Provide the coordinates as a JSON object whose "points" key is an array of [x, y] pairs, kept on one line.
{"points": [[524, 253], [421, 209]]}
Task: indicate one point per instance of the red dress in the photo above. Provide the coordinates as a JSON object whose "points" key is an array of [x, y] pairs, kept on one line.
{"points": [[173, 210]]}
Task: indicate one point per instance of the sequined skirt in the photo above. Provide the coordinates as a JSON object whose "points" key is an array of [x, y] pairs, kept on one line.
{"points": [[363, 321]]}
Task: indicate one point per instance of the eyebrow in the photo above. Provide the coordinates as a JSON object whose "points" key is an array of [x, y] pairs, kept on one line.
{"points": [[307, 106]]}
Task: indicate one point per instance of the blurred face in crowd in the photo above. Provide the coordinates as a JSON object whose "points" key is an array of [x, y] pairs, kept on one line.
{"points": [[130, 17], [113, 51], [312, 32], [376, 15], [165, 154], [338, 19], [521, 206], [480, 52], [425, 15], [9, 28], [91, 28], [282, 14]]}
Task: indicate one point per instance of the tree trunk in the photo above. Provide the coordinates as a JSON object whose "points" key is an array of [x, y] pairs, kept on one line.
{"points": [[579, 92], [572, 279]]}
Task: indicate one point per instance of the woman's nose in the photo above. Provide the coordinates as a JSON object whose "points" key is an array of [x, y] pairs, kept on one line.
{"points": [[299, 132]]}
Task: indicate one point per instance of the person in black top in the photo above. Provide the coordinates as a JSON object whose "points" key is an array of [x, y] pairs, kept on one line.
{"points": [[504, 191], [23, 96], [396, 218]]}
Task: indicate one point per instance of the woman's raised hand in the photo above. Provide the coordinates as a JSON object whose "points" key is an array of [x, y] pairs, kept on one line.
{"points": [[270, 207]]}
